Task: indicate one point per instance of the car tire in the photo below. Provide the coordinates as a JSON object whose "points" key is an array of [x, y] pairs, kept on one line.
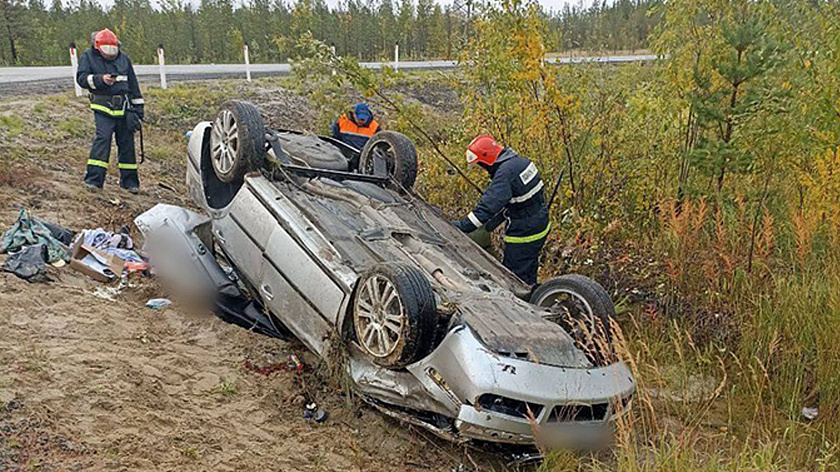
{"points": [[584, 309], [400, 158], [399, 330], [237, 141]]}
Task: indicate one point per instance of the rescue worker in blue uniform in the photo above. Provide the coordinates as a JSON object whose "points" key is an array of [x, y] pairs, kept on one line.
{"points": [[515, 194], [117, 104], [355, 127]]}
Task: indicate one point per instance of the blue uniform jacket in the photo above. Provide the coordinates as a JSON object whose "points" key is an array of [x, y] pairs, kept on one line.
{"points": [[92, 66], [515, 194]]}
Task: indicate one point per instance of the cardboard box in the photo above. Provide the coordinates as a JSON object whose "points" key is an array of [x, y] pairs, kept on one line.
{"points": [[99, 265]]}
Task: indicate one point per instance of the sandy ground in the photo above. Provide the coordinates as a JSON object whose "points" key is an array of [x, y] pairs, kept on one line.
{"points": [[91, 383]]}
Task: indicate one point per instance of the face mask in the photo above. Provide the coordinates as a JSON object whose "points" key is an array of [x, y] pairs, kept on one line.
{"points": [[109, 51]]}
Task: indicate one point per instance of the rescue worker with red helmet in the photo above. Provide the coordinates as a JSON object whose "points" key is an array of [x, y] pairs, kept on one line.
{"points": [[515, 194], [117, 104], [355, 127]]}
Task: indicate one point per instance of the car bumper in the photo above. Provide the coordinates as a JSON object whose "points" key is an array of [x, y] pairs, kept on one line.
{"points": [[570, 407]]}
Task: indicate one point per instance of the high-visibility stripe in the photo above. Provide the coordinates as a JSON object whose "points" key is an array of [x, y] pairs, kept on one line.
{"points": [[90, 82], [127, 166], [96, 162], [527, 196], [528, 239], [528, 174], [106, 110], [474, 220], [137, 101]]}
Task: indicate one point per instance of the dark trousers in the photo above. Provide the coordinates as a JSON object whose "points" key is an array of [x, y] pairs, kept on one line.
{"points": [[523, 259], [100, 151]]}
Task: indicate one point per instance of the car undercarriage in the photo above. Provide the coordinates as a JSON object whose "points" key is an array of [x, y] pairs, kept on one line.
{"points": [[331, 244]]}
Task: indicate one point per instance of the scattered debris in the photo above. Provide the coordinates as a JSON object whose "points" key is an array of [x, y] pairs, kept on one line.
{"points": [[158, 303], [311, 411], [104, 255], [296, 363], [810, 413], [119, 244], [94, 263], [106, 293], [320, 416], [29, 231], [28, 263]]}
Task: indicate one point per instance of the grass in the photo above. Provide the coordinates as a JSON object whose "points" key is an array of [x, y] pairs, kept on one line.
{"points": [[724, 359], [75, 127], [13, 125], [226, 388], [183, 105]]}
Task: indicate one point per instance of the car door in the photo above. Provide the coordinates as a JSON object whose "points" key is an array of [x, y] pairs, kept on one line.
{"points": [[244, 231], [295, 285]]}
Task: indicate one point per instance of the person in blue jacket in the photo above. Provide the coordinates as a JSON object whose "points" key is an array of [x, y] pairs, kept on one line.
{"points": [[515, 194], [117, 104], [355, 127]]}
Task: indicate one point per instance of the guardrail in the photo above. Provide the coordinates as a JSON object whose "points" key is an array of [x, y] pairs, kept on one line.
{"points": [[10, 75]]}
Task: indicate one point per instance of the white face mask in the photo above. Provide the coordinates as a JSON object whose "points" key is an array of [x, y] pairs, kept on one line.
{"points": [[109, 51]]}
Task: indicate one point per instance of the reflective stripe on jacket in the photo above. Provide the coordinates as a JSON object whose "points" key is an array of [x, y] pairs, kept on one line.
{"points": [[92, 66], [516, 193]]}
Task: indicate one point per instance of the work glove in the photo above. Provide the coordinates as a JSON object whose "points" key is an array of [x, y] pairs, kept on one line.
{"points": [[133, 119], [140, 111]]}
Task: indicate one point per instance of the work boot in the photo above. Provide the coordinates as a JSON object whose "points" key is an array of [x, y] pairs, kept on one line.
{"points": [[93, 188], [133, 190]]}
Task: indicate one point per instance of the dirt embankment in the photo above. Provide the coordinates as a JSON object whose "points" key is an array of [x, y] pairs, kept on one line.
{"points": [[93, 380]]}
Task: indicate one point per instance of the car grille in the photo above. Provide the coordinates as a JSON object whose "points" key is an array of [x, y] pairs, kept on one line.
{"points": [[570, 413], [508, 406]]}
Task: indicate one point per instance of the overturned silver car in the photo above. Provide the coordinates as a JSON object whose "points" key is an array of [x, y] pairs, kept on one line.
{"points": [[331, 244]]}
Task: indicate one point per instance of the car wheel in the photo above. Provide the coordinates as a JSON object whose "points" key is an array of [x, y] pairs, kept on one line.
{"points": [[584, 309], [394, 315], [398, 155], [237, 141]]}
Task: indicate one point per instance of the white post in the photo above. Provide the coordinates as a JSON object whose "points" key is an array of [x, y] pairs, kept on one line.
{"points": [[162, 63], [247, 64], [74, 63], [332, 49], [396, 56]]}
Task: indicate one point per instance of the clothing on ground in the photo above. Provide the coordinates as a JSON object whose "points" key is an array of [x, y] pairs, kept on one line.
{"points": [[28, 263], [29, 231], [119, 244]]}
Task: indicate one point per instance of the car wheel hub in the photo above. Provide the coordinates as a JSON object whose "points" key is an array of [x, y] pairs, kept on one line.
{"points": [[379, 317], [224, 141]]}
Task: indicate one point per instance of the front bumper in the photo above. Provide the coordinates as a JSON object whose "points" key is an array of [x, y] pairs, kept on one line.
{"points": [[461, 372]]}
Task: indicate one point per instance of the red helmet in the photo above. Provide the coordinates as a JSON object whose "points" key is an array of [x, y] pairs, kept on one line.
{"points": [[483, 149], [106, 43]]}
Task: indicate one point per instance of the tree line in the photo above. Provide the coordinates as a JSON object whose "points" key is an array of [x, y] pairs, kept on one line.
{"points": [[37, 33]]}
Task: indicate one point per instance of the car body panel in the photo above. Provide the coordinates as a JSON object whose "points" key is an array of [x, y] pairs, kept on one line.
{"points": [[302, 244]]}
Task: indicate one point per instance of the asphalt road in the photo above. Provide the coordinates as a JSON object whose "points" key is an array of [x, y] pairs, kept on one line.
{"points": [[16, 80]]}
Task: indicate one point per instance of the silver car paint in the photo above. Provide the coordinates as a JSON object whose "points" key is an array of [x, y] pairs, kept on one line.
{"points": [[302, 279]]}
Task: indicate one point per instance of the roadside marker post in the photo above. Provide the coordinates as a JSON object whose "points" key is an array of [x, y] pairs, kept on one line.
{"points": [[396, 56], [74, 63], [247, 64], [162, 63]]}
